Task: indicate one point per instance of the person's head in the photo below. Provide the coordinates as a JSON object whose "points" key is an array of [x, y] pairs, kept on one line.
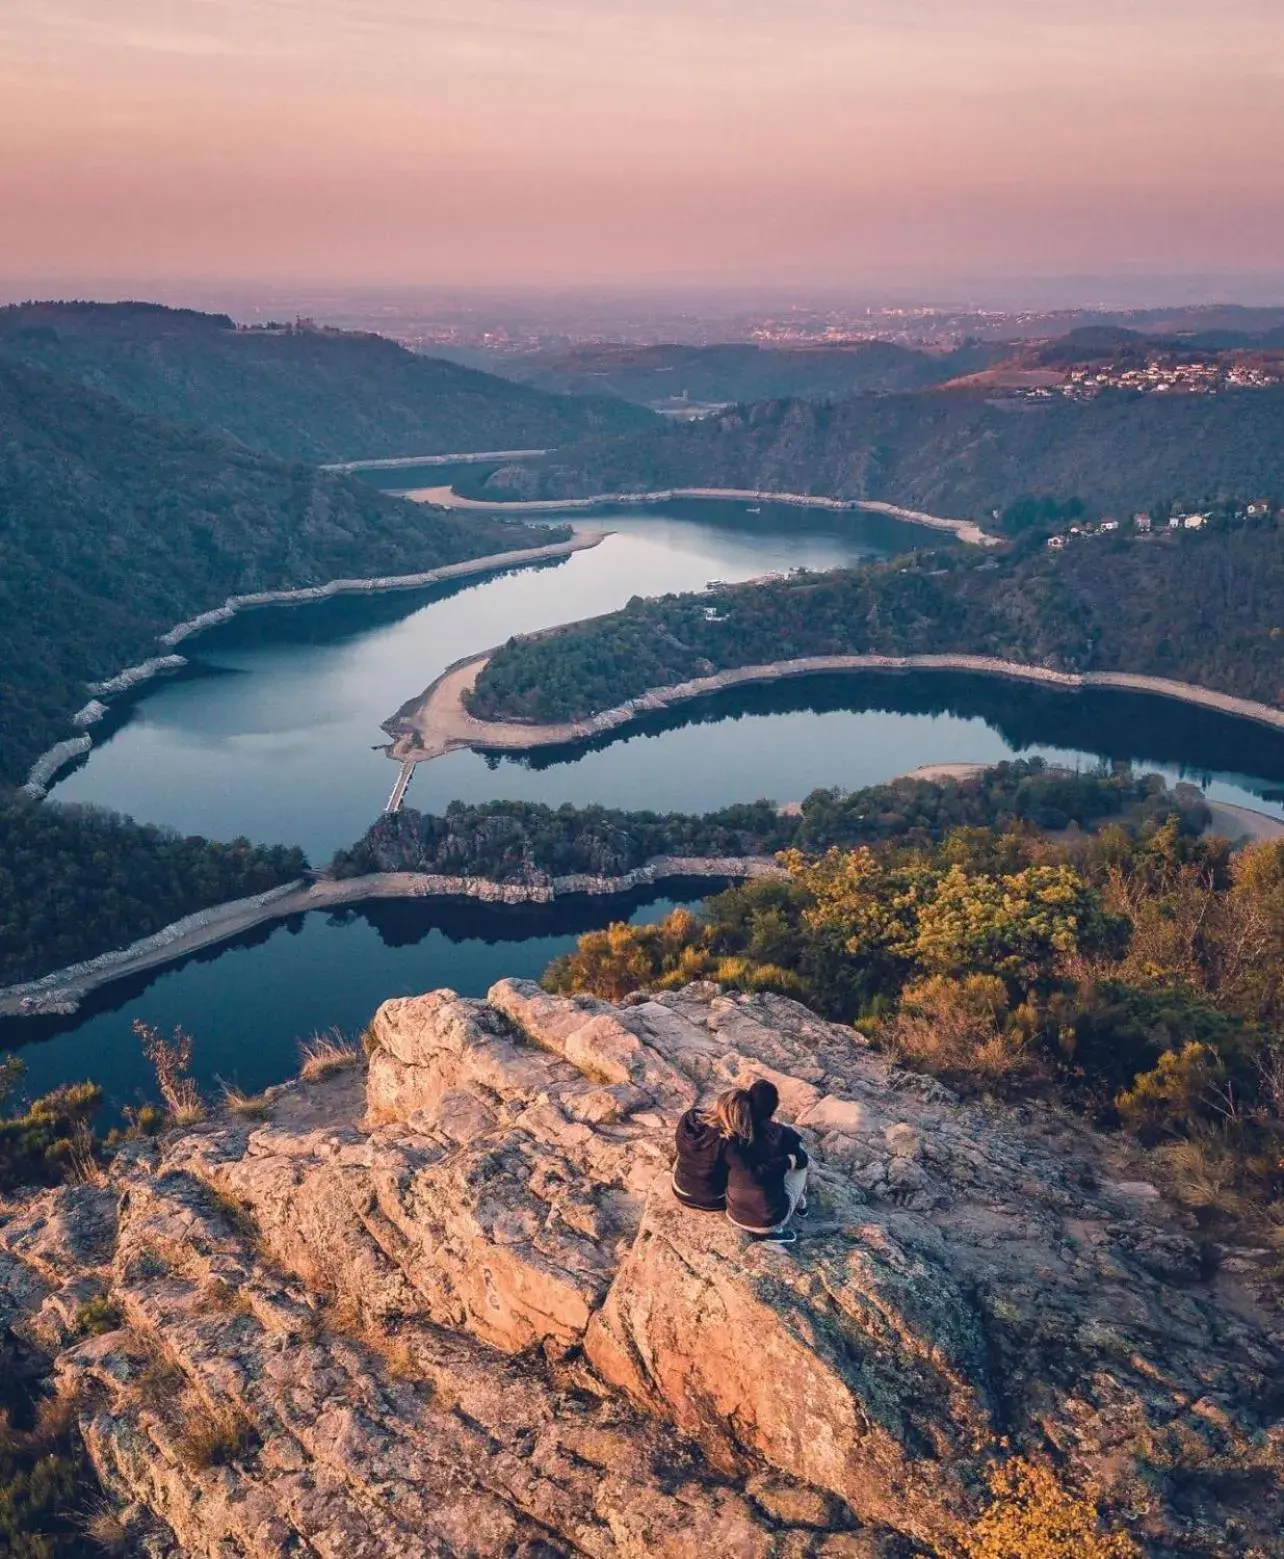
{"points": [[732, 1114], [763, 1099]]}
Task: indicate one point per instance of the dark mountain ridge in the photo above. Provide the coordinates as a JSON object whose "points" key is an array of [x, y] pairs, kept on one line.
{"points": [[740, 371], [296, 391], [955, 453]]}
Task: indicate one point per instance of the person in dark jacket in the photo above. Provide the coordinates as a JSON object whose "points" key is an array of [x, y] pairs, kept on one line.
{"points": [[766, 1165], [700, 1169]]}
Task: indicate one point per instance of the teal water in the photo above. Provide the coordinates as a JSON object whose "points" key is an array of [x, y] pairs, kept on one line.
{"points": [[275, 733], [275, 729]]}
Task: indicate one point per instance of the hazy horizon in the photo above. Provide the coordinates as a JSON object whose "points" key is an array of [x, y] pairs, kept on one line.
{"points": [[923, 146]]}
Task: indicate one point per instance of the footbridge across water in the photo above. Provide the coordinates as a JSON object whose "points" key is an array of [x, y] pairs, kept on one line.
{"points": [[398, 795]]}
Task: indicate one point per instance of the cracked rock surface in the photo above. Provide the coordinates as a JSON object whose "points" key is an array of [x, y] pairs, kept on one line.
{"points": [[445, 1304]]}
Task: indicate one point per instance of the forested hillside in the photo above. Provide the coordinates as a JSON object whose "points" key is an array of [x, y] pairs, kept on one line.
{"points": [[300, 394], [1198, 606], [525, 841], [113, 527], [954, 453], [76, 882], [741, 371]]}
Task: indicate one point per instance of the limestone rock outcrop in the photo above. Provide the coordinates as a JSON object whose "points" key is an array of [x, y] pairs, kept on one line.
{"points": [[444, 1303]]}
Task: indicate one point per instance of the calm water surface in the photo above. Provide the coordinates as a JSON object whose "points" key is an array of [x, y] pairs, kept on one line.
{"points": [[275, 733]]}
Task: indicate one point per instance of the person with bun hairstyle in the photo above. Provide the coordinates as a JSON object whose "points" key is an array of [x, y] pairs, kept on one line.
{"points": [[766, 1169]]}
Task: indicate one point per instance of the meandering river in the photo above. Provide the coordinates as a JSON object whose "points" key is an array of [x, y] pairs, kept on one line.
{"points": [[275, 733]]}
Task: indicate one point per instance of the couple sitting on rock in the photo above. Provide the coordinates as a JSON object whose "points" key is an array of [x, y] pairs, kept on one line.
{"points": [[734, 1158]]}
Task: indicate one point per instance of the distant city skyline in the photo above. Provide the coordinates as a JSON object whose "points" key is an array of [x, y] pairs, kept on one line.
{"points": [[928, 147]]}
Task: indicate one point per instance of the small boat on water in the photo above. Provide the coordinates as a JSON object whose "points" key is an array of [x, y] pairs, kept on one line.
{"points": [[754, 508]]}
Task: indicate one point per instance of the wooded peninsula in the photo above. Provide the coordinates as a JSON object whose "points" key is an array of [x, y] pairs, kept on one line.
{"points": [[1201, 607]]}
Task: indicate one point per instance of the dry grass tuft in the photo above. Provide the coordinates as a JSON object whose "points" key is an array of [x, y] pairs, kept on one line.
{"points": [[236, 1215], [106, 1528], [55, 1417], [1202, 1175], [248, 1106], [97, 1316], [171, 1061], [226, 1297], [345, 1313], [963, 1030], [1273, 1225], [397, 1352], [83, 1166], [159, 1383], [213, 1436], [325, 1054]]}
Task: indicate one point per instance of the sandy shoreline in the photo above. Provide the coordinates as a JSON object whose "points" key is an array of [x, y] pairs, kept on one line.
{"points": [[1243, 823], [437, 722], [966, 530]]}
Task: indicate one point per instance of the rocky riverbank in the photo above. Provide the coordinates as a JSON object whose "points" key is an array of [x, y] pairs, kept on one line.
{"points": [[46, 767], [965, 530], [437, 722], [64, 989], [443, 1302], [406, 462]]}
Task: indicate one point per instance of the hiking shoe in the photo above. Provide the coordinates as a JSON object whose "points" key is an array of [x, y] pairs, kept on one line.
{"points": [[780, 1237], [801, 1210]]}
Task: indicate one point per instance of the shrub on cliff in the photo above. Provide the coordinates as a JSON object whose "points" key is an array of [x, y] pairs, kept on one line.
{"points": [[42, 1141], [1139, 974], [1032, 1515]]}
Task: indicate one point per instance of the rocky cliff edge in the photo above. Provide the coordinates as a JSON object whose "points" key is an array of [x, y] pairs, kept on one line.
{"points": [[445, 1304]]}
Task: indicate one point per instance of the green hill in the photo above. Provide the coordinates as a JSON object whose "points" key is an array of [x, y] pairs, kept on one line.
{"points": [[113, 527], [298, 393], [738, 371], [948, 452]]}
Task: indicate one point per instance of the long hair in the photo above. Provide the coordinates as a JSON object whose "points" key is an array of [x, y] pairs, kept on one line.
{"points": [[732, 1113]]}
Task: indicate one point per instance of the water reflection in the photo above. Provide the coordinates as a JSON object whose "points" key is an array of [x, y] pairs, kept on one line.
{"points": [[1096, 724], [250, 1001]]}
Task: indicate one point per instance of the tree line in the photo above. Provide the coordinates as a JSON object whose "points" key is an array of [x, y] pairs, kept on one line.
{"points": [[77, 881], [525, 841]]}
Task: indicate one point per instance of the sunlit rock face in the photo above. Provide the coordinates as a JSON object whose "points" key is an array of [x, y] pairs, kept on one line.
{"points": [[443, 1302]]}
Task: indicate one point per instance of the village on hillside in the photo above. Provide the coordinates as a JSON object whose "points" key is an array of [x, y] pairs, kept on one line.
{"points": [[1174, 517]]}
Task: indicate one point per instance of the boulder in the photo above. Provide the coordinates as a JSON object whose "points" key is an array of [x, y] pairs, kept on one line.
{"points": [[446, 1304], [854, 1362]]}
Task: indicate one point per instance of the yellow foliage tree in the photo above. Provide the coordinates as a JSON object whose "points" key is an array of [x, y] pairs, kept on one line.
{"points": [[610, 963], [1017, 925], [965, 1029], [1175, 1093]]}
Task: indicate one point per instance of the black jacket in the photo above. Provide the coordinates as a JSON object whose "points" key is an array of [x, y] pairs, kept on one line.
{"points": [[756, 1197], [700, 1171]]}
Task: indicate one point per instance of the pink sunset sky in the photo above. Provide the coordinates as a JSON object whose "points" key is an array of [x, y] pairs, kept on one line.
{"points": [[501, 141]]}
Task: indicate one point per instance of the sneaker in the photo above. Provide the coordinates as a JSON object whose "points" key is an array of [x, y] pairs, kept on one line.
{"points": [[801, 1210], [780, 1237]]}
